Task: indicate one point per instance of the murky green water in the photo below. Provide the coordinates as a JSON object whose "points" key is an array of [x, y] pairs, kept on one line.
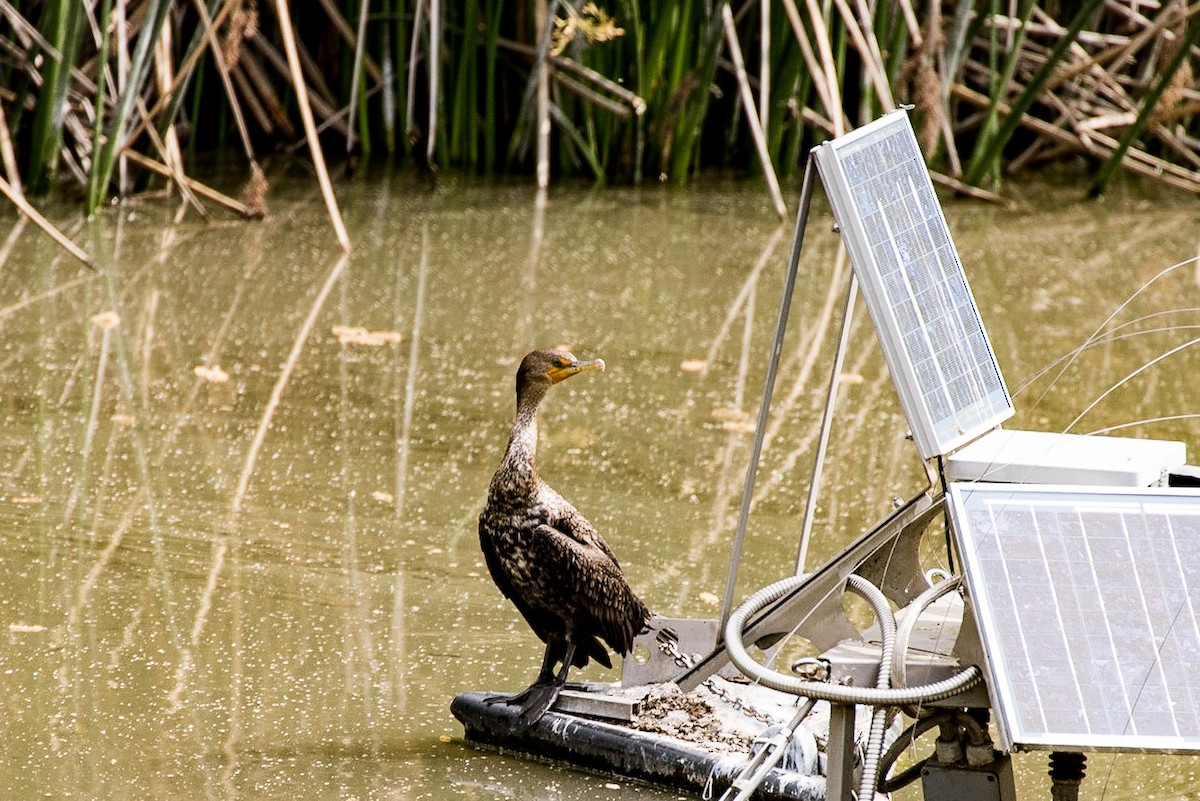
{"points": [[261, 579]]}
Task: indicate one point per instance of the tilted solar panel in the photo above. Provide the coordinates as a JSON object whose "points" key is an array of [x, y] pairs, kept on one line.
{"points": [[1088, 604], [936, 348]]}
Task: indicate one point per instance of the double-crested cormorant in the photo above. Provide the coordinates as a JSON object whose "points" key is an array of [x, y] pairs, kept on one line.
{"points": [[546, 557]]}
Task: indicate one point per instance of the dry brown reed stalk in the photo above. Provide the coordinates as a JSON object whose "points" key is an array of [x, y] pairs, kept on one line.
{"points": [[192, 184], [764, 63], [29, 211], [172, 159], [752, 118], [314, 144], [542, 107], [967, 190], [8, 156], [1095, 143], [226, 55], [435, 79], [414, 50], [825, 48], [348, 36], [624, 94], [868, 51], [826, 88], [281, 65], [241, 76]]}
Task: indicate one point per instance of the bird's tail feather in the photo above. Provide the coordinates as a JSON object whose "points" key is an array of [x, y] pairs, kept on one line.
{"points": [[594, 649]]}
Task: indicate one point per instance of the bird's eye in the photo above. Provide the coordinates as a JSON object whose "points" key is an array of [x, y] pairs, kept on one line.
{"points": [[559, 361]]}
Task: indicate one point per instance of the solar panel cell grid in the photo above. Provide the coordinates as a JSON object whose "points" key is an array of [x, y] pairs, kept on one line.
{"points": [[915, 289], [1089, 607]]}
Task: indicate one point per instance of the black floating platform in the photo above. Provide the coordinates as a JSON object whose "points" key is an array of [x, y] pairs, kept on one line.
{"points": [[620, 750]]}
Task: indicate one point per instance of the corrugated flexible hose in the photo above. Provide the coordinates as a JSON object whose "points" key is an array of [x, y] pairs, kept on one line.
{"points": [[881, 696]]}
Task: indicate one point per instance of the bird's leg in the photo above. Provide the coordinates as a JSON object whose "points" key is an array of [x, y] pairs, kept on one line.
{"points": [[542, 696], [568, 657], [545, 678]]}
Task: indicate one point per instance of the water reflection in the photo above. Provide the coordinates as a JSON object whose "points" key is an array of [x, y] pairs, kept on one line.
{"points": [[240, 556]]}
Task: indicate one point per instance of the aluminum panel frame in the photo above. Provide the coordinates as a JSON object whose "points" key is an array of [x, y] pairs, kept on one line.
{"points": [[942, 327]]}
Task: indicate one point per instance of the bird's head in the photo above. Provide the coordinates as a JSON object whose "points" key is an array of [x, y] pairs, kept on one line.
{"points": [[542, 369]]}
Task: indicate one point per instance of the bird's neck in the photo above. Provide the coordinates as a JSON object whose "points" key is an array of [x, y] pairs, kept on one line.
{"points": [[518, 471]]}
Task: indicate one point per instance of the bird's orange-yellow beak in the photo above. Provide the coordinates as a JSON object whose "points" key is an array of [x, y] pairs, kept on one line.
{"points": [[567, 369]]}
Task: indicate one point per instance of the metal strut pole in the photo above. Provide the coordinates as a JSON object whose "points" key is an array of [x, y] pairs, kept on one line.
{"points": [[835, 378], [785, 304]]}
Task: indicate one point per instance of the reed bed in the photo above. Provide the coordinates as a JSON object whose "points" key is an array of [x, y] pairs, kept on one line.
{"points": [[115, 98]]}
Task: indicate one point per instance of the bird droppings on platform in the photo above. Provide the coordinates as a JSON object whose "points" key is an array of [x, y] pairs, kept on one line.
{"points": [[666, 709]]}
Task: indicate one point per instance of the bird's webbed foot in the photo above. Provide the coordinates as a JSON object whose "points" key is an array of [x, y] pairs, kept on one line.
{"points": [[537, 701], [517, 699], [534, 700]]}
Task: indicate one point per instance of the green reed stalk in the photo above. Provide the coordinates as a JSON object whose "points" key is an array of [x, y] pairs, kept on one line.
{"points": [[989, 129], [986, 158], [387, 63], [1149, 102], [101, 91], [65, 22], [687, 133], [490, 87], [462, 134], [139, 68]]}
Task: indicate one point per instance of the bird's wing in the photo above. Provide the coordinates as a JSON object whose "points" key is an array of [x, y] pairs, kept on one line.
{"points": [[500, 577], [567, 519], [590, 586]]}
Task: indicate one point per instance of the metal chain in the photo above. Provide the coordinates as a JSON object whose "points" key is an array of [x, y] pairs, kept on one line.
{"points": [[668, 644], [738, 703]]}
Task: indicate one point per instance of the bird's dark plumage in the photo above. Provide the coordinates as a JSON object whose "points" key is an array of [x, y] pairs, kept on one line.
{"points": [[546, 557]]}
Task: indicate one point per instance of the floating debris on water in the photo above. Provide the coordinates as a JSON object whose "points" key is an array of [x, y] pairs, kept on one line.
{"points": [[733, 419], [357, 335], [106, 320], [213, 373]]}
